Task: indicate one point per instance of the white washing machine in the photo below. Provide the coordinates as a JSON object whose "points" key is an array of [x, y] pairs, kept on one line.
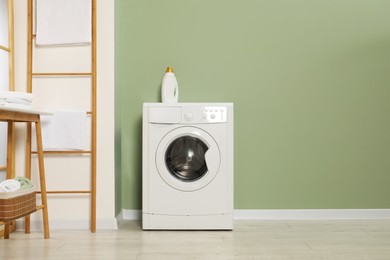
{"points": [[187, 166]]}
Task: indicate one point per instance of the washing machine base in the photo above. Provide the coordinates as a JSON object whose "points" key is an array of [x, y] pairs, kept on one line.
{"points": [[206, 222]]}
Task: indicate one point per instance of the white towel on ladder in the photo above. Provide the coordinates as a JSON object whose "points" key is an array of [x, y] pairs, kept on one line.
{"points": [[64, 130], [63, 22]]}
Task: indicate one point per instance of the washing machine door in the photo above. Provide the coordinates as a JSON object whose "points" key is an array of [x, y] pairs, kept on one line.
{"points": [[188, 158]]}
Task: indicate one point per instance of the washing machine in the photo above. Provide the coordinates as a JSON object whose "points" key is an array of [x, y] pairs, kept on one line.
{"points": [[188, 165]]}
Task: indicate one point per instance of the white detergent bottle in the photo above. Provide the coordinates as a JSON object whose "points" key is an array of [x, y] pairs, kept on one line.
{"points": [[169, 87]]}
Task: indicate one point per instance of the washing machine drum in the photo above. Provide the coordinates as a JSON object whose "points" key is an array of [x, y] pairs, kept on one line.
{"points": [[188, 158], [185, 158]]}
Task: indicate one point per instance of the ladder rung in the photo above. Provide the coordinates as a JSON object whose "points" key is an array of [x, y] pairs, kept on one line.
{"points": [[2, 168], [40, 207], [52, 74], [4, 48], [63, 152], [66, 192]]}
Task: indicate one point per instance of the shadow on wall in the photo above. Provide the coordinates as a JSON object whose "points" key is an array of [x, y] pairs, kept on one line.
{"points": [[138, 161], [118, 169]]}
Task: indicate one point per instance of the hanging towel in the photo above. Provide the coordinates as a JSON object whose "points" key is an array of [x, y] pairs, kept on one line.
{"points": [[64, 130], [63, 22]]}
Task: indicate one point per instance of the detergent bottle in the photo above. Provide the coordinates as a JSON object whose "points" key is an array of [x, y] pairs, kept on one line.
{"points": [[169, 87]]}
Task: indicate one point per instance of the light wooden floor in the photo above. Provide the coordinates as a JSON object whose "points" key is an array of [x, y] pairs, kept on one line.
{"points": [[269, 240]]}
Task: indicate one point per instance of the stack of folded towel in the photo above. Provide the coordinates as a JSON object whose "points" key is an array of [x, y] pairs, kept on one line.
{"points": [[19, 183], [13, 99]]}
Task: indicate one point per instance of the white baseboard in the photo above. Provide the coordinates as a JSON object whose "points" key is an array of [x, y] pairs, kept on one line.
{"points": [[240, 214], [56, 224], [314, 214], [299, 214], [129, 214]]}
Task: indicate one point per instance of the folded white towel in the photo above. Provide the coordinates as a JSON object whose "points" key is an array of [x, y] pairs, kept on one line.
{"points": [[16, 96], [15, 105], [9, 185], [63, 22], [64, 130], [15, 99]]}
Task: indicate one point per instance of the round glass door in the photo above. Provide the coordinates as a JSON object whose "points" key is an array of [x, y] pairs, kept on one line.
{"points": [[188, 158], [185, 158]]}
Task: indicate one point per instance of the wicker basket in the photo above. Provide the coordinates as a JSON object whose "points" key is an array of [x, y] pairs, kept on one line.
{"points": [[17, 204]]}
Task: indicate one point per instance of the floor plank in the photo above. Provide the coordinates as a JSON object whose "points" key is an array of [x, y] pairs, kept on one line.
{"points": [[273, 240]]}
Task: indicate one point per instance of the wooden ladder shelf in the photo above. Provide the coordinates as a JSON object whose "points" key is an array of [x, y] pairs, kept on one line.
{"points": [[60, 75]]}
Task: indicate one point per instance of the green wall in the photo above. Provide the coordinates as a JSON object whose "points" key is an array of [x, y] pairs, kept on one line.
{"points": [[310, 81]]}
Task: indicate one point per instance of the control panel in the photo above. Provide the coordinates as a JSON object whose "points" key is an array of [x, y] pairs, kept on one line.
{"points": [[208, 114]]}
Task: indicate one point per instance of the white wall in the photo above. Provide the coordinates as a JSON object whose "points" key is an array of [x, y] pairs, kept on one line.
{"points": [[73, 172]]}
